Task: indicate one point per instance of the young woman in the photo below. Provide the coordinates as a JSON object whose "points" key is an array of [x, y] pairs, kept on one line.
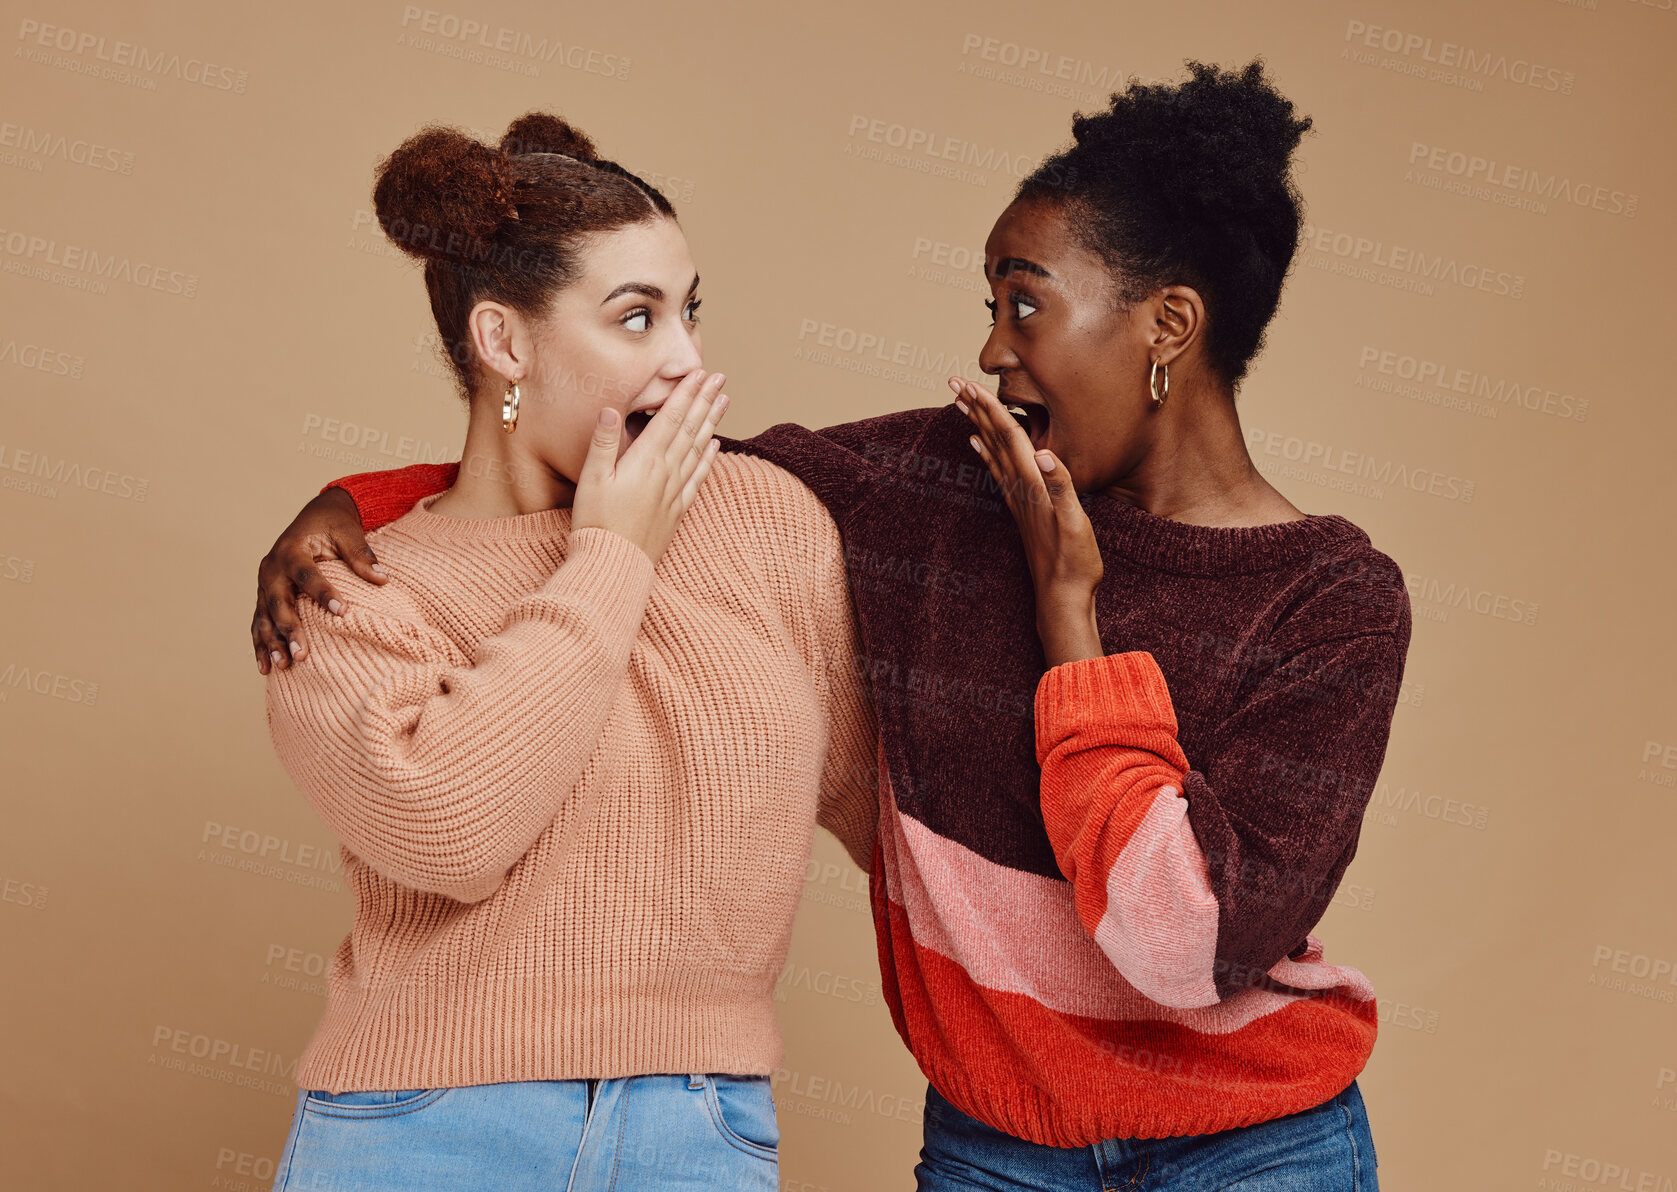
{"points": [[1132, 702], [574, 748]]}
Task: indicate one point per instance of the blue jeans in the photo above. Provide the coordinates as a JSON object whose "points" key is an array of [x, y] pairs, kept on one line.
{"points": [[1324, 1149], [584, 1135]]}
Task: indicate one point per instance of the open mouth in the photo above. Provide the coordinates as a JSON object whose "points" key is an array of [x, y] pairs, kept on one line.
{"points": [[1031, 416], [636, 421]]}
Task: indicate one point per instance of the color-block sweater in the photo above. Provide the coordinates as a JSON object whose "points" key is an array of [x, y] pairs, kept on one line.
{"points": [[576, 792], [1094, 885]]}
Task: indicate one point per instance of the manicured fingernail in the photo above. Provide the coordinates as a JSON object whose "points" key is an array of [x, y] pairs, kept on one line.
{"points": [[335, 607], [1045, 461], [378, 569], [973, 439], [275, 655], [962, 406], [294, 648], [955, 384]]}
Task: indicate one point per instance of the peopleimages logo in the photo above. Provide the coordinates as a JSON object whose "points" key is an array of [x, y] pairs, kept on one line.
{"points": [[1043, 71], [40, 143], [1585, 1172], [930, 152], [1466, 597], [39, 358], [1390, 801], [1351, 471], [801, 1086], [40, 681], [1478, 176], [138, 63], [1481, 391], [1362, 255], [469, 39], [1450, 58], [33, 255], [371, 441], [39, 473]]}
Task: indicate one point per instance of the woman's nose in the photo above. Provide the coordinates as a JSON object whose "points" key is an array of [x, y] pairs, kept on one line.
{"points": [[684, 355], [996, 355]]}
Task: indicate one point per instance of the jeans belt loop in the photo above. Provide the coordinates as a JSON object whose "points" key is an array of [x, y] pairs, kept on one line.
{"points": [[696, 1080]]}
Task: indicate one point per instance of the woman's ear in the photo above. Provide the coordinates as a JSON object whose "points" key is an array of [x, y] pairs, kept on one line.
{"points": [[502, 341], [1178, 320]]}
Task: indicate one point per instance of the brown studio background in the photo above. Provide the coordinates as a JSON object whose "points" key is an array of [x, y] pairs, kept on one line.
{"points": [[1468, 363]]}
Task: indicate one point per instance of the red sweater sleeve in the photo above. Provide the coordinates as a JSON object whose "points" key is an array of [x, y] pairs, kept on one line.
{"points": [[382, 497], [1112, 781]]}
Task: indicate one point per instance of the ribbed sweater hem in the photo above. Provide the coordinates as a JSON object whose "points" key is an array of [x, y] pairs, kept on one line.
{"points": [[1025, 1112], [600, 1025]]}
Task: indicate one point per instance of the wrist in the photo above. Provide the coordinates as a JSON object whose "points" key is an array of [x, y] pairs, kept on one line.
{"points": [[342, 498], [1066, 624], [1062, 602]]}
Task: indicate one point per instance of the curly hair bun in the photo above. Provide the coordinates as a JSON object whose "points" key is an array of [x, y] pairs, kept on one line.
{"points": [[543, 132], [1221, 143], [441, 193]]}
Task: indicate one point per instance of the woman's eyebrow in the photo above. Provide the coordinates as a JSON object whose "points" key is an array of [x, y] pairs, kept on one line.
{"points": [[635, 287], [656, 293], [1009, 265]]}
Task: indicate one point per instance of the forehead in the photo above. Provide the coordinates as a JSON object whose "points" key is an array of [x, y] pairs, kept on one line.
{"points": [[652, 250], [1042, 234]]}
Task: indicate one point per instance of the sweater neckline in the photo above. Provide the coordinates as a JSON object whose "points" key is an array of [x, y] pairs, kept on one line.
{"points": [[543, 524], [1181, 548], [1186, 549]]}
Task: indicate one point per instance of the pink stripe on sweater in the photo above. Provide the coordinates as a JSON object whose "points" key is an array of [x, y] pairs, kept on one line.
{"points": [[1160, 923], [1018, 932]]}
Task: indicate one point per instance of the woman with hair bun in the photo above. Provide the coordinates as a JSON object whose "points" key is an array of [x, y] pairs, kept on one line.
{"points": [[1132, 702], [575, 736], [1213, 697]]}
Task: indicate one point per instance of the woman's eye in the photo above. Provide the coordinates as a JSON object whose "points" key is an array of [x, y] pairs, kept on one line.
{"points": [[641, 317], [692, 311], [1022, 309], [990, 305]]}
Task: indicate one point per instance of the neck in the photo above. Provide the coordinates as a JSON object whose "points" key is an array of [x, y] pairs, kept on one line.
{"points": [[1197, 469], [499, 475]]}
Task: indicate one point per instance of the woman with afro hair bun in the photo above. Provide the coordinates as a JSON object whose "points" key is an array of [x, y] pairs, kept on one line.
{"points": [[1131, 701]]}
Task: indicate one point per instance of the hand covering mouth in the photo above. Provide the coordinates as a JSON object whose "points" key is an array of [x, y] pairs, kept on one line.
{"points": [[635, 421]]}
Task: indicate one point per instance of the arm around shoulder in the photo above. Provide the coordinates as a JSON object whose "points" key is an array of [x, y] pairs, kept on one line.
{"points": [[441, 770]]}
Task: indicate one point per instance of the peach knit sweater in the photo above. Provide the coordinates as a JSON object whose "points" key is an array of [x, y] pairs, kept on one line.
{"points": [[575, 793]]}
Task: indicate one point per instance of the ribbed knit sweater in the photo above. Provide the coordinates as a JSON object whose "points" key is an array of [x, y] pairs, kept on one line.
{"points": [[1094, 885], [575, 792]]}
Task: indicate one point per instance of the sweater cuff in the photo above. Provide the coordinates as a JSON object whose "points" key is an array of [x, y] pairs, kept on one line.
{"points": [[1117, 699], [382, 497]]}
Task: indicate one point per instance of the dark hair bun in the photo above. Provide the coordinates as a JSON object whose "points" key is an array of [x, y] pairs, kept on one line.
{"points": [[543, 132], [442, 193], [1219, 144]]}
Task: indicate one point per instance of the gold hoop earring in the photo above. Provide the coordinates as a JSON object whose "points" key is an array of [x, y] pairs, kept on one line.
{"points": [[1153, 383], [509, 408]]}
